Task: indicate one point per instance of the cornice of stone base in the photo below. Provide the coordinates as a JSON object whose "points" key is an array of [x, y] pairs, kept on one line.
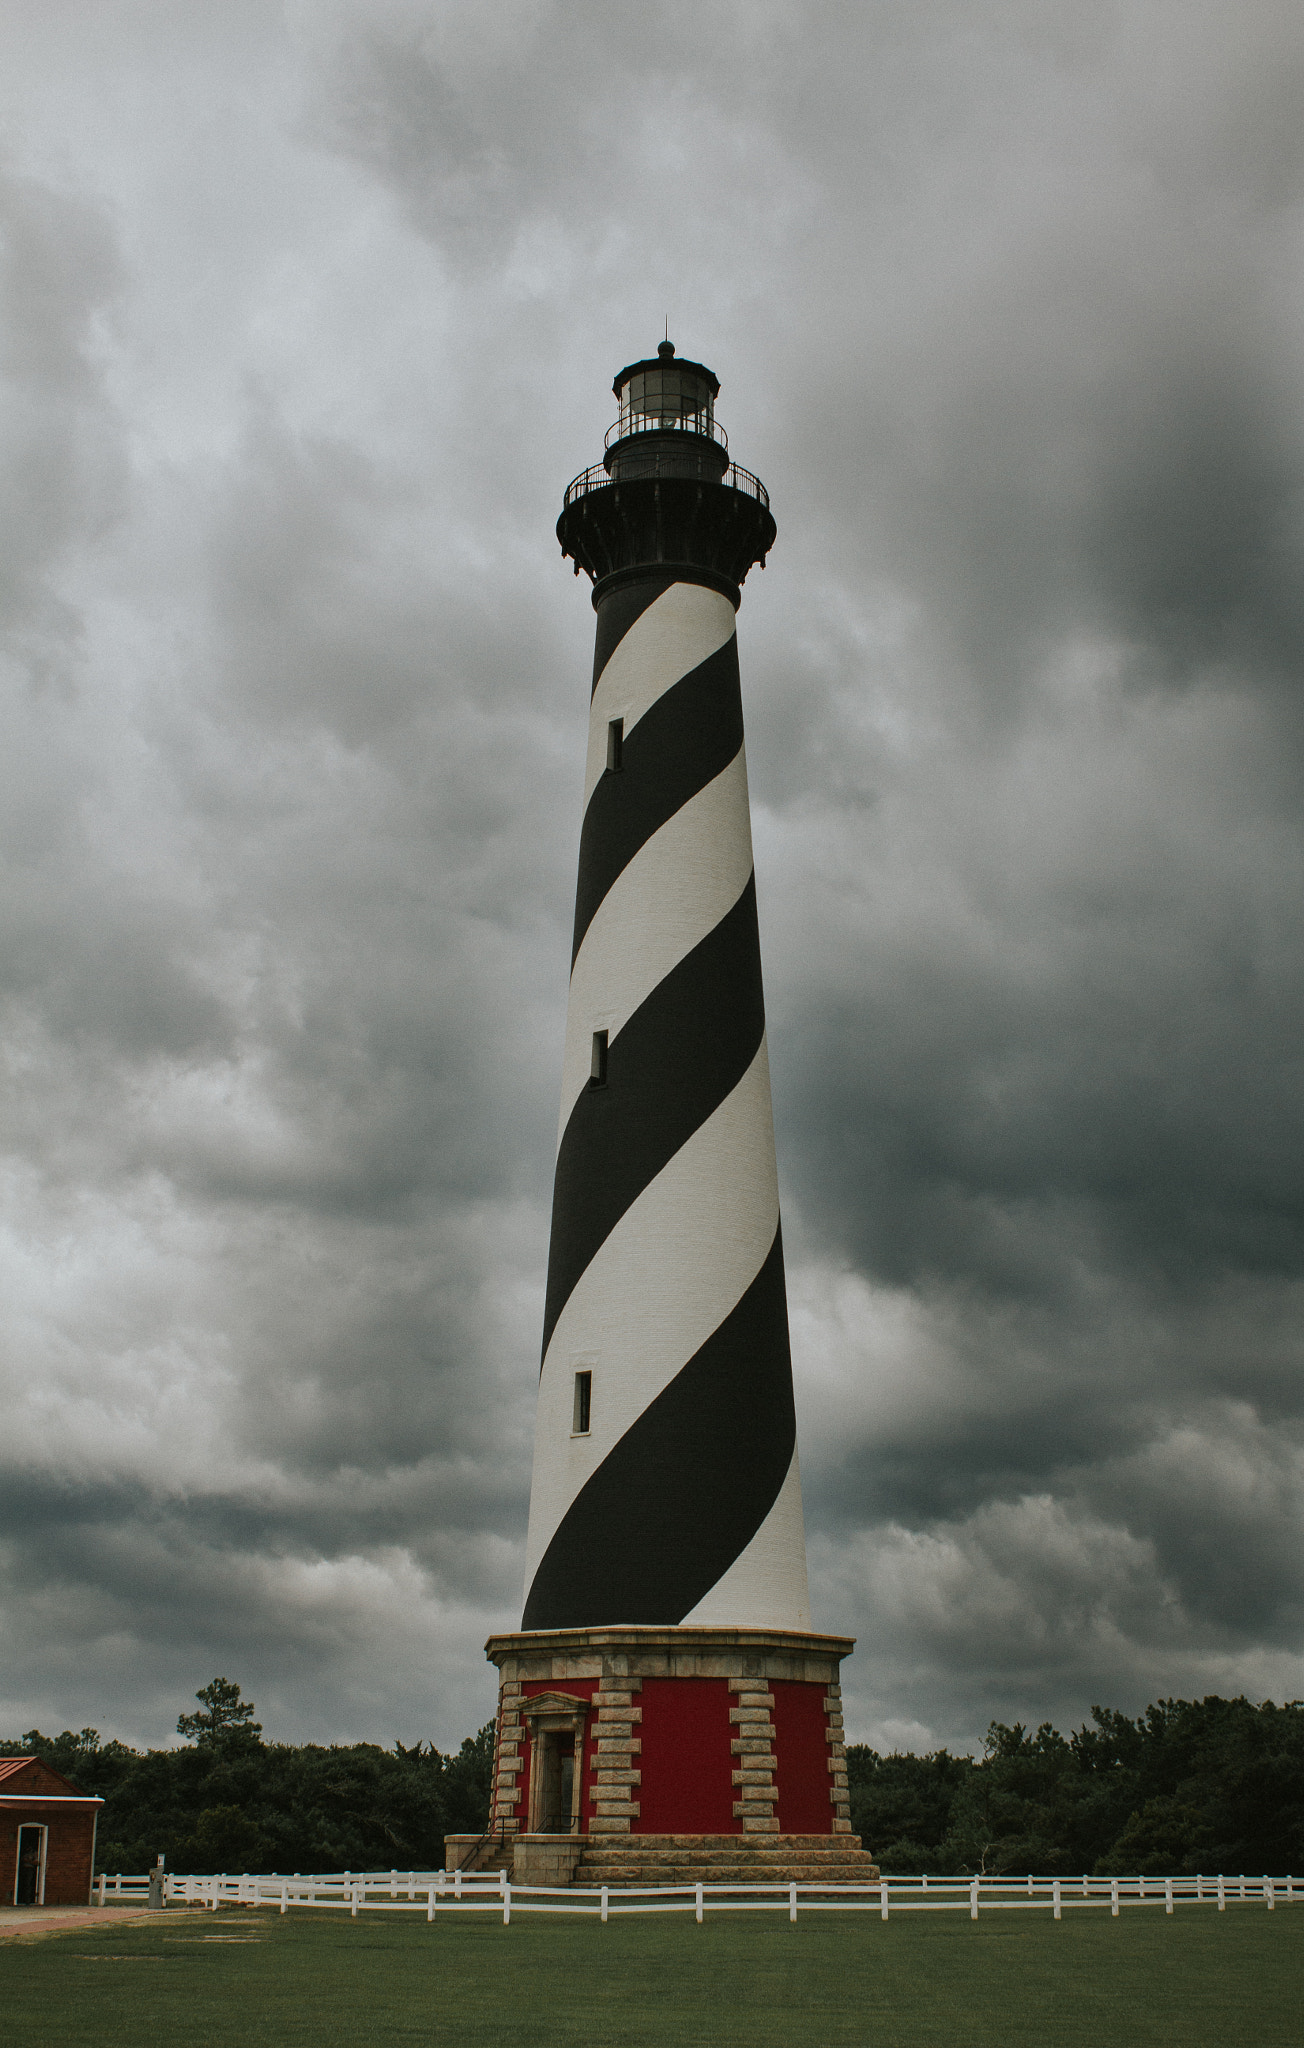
{"points": [[636, 1636], [619, 1657]]}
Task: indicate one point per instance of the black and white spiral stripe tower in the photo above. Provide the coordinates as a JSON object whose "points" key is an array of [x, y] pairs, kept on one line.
{"points": [[666, 1487]]}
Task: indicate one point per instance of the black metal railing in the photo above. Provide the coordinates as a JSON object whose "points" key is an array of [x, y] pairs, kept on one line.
{"points": [[671, 466], [705, 426]]}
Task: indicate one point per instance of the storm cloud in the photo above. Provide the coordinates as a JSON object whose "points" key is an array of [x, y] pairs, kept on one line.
{"points": [[309, 313]]}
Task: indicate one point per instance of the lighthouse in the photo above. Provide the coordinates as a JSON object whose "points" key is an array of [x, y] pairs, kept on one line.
{"points": [[665, 1708]]}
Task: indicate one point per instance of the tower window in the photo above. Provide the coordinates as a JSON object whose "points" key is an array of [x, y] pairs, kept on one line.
{"points": [[598, 1062], [615, 746], [583, 1403]]}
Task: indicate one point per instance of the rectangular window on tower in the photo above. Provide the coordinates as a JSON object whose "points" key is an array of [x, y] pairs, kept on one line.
{"points": [[615, 746], [583, 1403], [598, 1061]]}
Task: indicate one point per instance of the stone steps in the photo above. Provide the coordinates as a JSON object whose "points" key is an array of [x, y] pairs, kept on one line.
{"points": [[746, 1846], [471, 1853], [632, 1848], [670, 1859], [725, 1859], [730, 1874], [707, 1865]]}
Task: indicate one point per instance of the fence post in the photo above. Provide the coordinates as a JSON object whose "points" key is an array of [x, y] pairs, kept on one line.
{"points": [[792, 1902], [1199, 1887], [699, 1905], [507, 1902], [1269, 1895], [285, 1895], [353, 1902], [1168, 1895], [1055, 1895], [604, 1904], [1222, 1893], [973, 1900], [100, 1901], [393, 1884], [882, 1897], [1113, 1897], [430, 1902]]}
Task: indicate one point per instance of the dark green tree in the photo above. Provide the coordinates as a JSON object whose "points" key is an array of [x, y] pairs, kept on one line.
{"points": [[901, 1805], [228, 1800], [1017, 1810], [223, 1717]]}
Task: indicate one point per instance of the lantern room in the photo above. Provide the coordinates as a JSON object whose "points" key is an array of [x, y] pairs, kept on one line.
{"points": [[663, 395]]}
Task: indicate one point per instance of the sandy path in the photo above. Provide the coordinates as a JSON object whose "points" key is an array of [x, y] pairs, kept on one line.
{"points": [[18, 1923]]}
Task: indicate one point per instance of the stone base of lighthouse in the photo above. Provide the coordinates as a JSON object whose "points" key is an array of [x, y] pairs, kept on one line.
{"points": [[660, 1755]]}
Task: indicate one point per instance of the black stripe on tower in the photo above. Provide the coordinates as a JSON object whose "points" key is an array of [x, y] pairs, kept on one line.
{"points": [[618, 610], [681, 1053], [688, 1485], [679, 745]]}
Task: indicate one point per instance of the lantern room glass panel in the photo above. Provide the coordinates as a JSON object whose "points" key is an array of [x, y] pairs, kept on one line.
{"points": [[666, 399]]}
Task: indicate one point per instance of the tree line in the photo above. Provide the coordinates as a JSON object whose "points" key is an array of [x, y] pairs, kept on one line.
{"points": [[227, 1800], [1208, 1785], [1190, 1785]]}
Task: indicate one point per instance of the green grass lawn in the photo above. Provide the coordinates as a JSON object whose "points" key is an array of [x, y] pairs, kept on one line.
{"points": [[241, 1977]]}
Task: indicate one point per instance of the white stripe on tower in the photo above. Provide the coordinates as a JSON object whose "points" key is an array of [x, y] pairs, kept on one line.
{"points": [[665, 1279], [677, 1262], [664, 903], [686, 623]]}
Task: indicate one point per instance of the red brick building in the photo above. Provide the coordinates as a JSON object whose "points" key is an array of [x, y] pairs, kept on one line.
{"points": [[47, 1836]]}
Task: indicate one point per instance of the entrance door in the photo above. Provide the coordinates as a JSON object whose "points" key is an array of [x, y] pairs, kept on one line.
{"points": [[31, 1857], [558, 1783]]}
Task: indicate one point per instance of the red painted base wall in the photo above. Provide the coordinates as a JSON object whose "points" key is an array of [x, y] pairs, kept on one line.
{"points": [[686, 1761], [801, 1746]]}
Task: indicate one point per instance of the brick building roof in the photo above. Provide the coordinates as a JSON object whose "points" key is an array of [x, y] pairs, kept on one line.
{"points": [[41, 1777]]}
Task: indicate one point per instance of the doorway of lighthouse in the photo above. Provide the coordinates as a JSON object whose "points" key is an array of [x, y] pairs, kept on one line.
{"points": [[557, 1805]]}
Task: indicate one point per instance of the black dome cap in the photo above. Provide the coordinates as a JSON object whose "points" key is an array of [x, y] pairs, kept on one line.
{"points": [[665, 350]]}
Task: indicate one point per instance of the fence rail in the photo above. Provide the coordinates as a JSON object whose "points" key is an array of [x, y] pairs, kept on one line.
{"points": [[445, 1891]]}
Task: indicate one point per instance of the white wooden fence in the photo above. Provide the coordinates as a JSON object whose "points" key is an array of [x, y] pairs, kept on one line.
{"points": [[441, 1891]]}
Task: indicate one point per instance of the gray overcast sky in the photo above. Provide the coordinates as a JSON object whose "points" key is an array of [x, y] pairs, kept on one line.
{"points": [[309, 313]]}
